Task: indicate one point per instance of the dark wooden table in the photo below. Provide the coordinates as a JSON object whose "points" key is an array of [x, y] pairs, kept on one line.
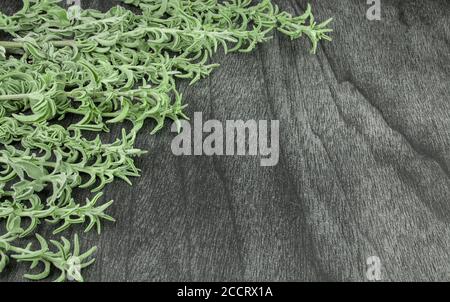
{"points": [[363, 171]]}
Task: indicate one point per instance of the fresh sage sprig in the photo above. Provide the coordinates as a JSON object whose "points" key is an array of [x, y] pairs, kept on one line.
{"points": [[94, 70]]}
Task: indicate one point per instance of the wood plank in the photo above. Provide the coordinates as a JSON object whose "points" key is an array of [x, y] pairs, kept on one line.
{"points": [[363, 171]]}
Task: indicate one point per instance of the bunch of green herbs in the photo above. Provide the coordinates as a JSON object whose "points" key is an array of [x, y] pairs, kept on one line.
{"points": [[106, 68]]}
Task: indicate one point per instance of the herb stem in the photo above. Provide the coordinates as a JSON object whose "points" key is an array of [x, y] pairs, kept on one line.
{"points": [[15, 44], [18, 97], [14, 97]]}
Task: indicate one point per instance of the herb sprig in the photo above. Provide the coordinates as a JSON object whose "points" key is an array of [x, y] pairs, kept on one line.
{"points": [[104, 68]]}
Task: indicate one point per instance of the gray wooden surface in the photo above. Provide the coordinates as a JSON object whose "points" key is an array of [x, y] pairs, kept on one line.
{"points": [[363, 171]]}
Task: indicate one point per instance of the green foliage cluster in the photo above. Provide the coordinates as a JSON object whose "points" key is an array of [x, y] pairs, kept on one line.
{"points": [[104, 68]]}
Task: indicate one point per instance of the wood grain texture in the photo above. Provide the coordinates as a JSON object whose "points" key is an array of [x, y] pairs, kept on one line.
{"points": [[364, 167]]}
